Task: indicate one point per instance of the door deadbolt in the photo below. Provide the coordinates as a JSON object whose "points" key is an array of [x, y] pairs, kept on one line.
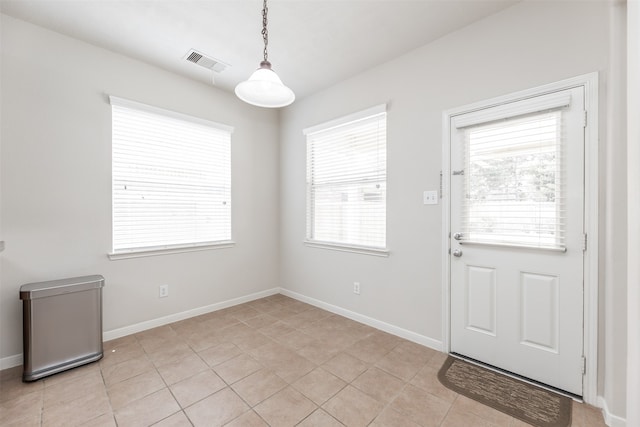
{"points": [[457, 236]]}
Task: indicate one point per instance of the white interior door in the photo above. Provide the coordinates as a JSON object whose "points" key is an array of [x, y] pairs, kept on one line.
{"points": [[517, 237]]}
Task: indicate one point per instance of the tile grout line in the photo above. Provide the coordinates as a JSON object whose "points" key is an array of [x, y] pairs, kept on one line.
{"points": [[279, 310]]}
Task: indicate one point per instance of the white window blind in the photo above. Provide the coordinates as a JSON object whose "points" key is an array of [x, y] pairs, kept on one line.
{"points": [[347, 180], [515, 182], [171, 177]]}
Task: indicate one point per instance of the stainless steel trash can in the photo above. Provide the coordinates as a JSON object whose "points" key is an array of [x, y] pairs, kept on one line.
{"points": [[62, 325]]}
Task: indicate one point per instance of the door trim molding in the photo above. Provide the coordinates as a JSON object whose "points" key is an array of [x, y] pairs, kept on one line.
{"points": [[591, 188]]}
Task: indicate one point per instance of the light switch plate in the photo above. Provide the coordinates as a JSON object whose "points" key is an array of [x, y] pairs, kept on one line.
{"points": [[430, 197]]}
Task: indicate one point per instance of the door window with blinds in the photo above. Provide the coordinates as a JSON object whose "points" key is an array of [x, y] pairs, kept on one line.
{"points": [[347, 181], [171, 177], [514, 178]]}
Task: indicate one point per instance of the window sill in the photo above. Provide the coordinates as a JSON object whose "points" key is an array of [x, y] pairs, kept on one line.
{"points": [[347, 248], [139, 253]]}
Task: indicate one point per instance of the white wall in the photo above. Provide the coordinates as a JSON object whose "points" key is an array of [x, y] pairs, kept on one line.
{"points": [[56, 182], [613, 255], [55, 174], [633, 173], [527, 45]]}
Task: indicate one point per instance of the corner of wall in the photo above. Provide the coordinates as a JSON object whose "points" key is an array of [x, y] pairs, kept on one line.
{"points": [[610, 419]]}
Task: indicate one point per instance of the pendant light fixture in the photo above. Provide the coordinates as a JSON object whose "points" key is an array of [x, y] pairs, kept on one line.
{"points": [[264, 88]]}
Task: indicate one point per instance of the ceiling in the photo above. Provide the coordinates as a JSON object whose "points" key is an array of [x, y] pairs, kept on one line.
{"points": [[313, 44]]}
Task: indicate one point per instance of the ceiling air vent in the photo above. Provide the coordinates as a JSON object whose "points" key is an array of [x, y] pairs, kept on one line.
{"points": [[205, 61]]}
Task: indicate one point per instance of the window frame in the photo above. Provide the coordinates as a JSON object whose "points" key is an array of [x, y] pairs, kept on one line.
{"points": [[168, 248], [510, 234], [345, 246]]}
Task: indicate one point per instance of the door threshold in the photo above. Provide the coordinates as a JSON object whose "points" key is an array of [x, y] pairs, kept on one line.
{"points": [[547, 387]]}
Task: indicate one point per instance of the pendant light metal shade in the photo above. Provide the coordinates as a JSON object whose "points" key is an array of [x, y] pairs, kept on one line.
{"points": [[264, 88]]}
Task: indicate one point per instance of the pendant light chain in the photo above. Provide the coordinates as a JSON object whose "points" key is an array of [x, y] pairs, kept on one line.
{"points": [[265, 33], [264, 88]]}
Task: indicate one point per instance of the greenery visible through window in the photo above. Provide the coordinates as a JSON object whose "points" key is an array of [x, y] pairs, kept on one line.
{"points": [[515, 181]]}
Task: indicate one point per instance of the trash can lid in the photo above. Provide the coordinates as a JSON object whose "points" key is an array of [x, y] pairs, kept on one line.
{"points": [[62, 286]]}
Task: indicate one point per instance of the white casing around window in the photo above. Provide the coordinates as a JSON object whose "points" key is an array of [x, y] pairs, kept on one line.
{"points": [[514, 182], [171, 176], [346, 181]]}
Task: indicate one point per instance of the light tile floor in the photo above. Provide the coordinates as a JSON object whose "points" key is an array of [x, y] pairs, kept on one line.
{"points": [[271, 362]]}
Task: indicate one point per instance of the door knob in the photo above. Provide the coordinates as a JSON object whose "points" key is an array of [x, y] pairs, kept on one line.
{"points": [[457, 253], [457, 236]]}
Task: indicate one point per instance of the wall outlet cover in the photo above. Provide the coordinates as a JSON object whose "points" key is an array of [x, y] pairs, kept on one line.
{"points": [[430, 197], [163, 291]]}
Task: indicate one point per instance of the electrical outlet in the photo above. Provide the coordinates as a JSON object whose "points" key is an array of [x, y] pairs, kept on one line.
{"points": [[356, 288], [163, 291], [430, 197]]}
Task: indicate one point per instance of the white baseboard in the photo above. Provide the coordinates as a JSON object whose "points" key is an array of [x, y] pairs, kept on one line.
{"points": [[378, 324], [610, 419], [11, 361], [16, 360], [161, 321]]}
